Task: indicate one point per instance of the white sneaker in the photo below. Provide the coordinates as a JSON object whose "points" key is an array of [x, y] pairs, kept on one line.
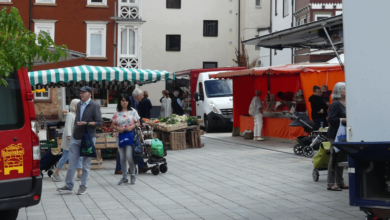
{"points": [[260, 139], [56, 178]]}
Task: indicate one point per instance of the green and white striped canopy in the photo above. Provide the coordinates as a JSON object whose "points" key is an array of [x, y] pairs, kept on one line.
{"points": [[95, 76]]}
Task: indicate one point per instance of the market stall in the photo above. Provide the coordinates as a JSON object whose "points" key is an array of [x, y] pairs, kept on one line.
{"points": [[106, 83], [284, 88]]}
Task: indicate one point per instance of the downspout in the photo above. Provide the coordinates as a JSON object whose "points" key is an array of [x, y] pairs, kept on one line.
{"points": [[115, 45], [30, 16], [239, 32], [292, 25], [270, 31]]}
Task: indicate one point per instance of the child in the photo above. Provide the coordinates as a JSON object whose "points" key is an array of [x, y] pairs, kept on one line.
{"points": [[326, 94]]}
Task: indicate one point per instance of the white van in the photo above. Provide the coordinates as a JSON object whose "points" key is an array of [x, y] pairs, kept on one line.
{"points": [[214, 101]]}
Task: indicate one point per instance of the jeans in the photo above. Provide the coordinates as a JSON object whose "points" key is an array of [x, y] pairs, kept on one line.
{"points": [[74, 155], [65, 157], [127, 155], [118, 167], [258, 125], [317, 122]]}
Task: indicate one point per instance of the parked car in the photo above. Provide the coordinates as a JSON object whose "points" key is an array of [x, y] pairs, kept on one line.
{"points": [[20, 178]]}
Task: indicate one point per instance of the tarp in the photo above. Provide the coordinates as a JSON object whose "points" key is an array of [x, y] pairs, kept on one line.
{"points": [[95, 76]]}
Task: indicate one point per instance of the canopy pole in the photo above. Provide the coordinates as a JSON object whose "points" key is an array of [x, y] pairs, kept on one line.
{"points": [[334, 49]]}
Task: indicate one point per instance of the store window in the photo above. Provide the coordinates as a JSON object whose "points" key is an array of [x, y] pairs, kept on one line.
{"points": [[207, 65], [210, 28], [97, 2], [285, 7], [96, 39], [258, 3], [173, 42], [46, 1], [47, 26], [173, 3], [42, 95]]}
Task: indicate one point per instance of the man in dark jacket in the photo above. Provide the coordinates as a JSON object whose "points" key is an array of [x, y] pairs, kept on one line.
{"points": [[88, 111], [318, 108]]}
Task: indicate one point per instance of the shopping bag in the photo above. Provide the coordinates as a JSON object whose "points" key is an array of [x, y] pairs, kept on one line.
{"points": [[157, 148], [137, 147], [341, 135], [125, 139], [87, 148], [321, 159]]}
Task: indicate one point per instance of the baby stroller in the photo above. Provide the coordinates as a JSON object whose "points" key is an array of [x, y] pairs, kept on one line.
{"points": [[160, 163], [49, 161], [306, 144]]}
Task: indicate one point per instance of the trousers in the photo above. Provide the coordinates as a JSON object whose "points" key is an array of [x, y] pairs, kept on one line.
{"points": [[65, 157], [74, 155], [258, 125], [335, 173]]}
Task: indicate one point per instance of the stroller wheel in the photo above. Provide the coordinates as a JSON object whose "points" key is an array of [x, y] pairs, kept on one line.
{"points": [[155, 170], [316, 175], [308, 151], [50, 172], [163, 168], [298, 149]]}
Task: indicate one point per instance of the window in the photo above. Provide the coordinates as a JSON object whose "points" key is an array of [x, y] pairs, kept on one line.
{"points": [[201, 93], [258, 3], [276, 7], [218, 88], [47, 26], [5, 0], [173, 42], [285, 7], [46, 1], [97, 2], [129, 1], [42, 95], [96, 38], [321, 16], [210, 28], [127, 42], [173, 3], [207, 65], [11, 110]]}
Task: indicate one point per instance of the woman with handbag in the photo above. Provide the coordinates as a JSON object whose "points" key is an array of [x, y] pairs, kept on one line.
{"points": [[336, 116], [124, 122]]}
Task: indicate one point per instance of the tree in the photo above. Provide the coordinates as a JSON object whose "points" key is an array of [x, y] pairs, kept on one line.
{"points": [[19, 47], [243, 59]]}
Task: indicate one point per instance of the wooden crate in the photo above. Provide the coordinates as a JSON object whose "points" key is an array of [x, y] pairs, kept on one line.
{"points": [[199, 121], [201, 132], [193, 139], [170, 128], [97, 162], [111, 142], [100, 143], [177, 141]]}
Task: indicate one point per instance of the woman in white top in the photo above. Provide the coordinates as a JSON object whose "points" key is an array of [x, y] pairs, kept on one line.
{"points": [[166, 105], [68, 131]]}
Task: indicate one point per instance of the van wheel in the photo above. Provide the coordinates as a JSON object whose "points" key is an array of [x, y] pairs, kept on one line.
{"points": [[11, 214], [207, 126]]}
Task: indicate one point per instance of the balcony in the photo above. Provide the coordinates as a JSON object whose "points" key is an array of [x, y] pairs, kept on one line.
{"points": [[126, 62], [129, 12]]}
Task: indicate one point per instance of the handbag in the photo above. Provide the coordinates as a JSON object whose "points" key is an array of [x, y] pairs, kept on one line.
{"points": [[125, 139], [341, 135], [137, 147], [87, 147]]}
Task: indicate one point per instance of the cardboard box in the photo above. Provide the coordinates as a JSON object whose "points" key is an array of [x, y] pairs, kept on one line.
{"points": [[111, 142], [100, 143]]}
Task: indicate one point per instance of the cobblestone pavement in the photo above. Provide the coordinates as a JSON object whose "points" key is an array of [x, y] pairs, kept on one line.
{"points": [[230, 178]]}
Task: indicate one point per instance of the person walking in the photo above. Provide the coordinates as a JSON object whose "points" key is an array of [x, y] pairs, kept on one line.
{"points": [[68, 131], [337, 113], [258, 116], [125, 120], [166, 105], [88, 111], [145, 106], [318, 108], [177, 106]]}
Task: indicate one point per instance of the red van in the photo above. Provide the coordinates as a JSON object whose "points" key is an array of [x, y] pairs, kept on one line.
{"points": [[20, 179]]}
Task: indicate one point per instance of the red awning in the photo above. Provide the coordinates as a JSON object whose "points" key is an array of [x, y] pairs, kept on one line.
{"points": [[287, 69]]}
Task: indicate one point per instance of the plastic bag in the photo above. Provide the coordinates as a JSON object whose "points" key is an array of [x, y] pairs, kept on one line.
{"points": [[341, 135], [87, 147], [125, 139], [157, 148]]}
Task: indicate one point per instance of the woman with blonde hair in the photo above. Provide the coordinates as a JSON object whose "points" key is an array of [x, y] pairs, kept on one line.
{"points": [[68, 131]]}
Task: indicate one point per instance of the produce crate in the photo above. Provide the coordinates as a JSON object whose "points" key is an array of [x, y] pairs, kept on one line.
{"points": [[193, 139], [199, 121], [111, 142], [201, 132], [168, 128], [96, 164], [100, 143], [108, 153], [177, 141], [45, 145]]}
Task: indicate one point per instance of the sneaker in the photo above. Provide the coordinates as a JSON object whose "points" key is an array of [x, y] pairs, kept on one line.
{"points": [[64, 189], [123, 180], [133, 179], [260, 139], [81, 191], [78, 178], [56, 178]]}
